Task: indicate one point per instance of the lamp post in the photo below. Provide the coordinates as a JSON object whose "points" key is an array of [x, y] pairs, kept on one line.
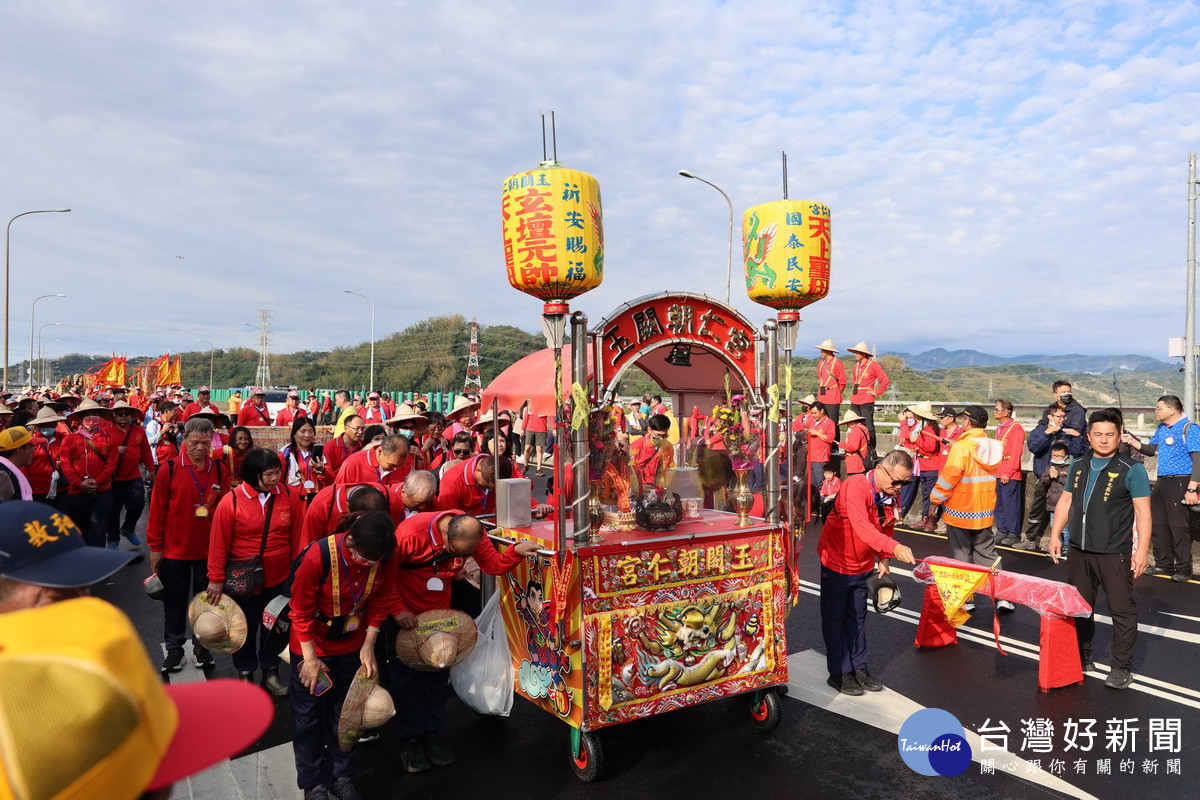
{"points": [[32, 313], [41, 352], [7, 230], [372, 302], [729, 265], [211, 350], [47, 371]]}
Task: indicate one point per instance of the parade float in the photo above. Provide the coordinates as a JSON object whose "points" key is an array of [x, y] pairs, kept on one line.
{"points": [[648, 599]]}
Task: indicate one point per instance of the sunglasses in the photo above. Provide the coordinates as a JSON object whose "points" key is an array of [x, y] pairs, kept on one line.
{"points": [[895, 483], [458, 452]]}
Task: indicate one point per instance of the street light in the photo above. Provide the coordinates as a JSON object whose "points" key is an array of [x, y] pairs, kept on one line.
{"points": [[729, 266], [47, 372], [42, 353], [7, 229], [372, 302], [210, 359], [32, 313]]}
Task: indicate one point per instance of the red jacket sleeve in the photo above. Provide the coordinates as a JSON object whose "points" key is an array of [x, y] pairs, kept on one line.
{"points": [[110, 463], [494, 562], [156, 523], [304, 593], [68, 454], [220, 537], [147, 453], [864, 524], [884, 382]]}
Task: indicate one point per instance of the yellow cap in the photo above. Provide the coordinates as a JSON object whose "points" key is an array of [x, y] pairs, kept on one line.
{"points": [[14, 437]]}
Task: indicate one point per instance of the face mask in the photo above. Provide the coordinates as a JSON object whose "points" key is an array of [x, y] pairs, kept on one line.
{"points": [[1065, 397], [91, 423], [407, 433], [47, 432], [1058, 463]]}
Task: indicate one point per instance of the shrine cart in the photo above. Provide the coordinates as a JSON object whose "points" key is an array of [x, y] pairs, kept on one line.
{"points": [[618, 625]]}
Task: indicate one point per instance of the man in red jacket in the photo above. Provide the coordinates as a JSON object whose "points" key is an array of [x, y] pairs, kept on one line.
{"points": [[336, 614], [386, 464], [831, 379], [203, 402], [185, 496], [1009, 491], [89, 459], [255, 412], [291, 411], [857, 533], [129, 489], [373, 413], [430, 551], [867, 381], [332, 503], [340, 448]]}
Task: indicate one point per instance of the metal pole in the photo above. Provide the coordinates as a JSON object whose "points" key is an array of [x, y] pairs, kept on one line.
{"points": [[32, 314], [211, 352], [41, 367], [580, 453], [487, 583], [372, 302], [788, 323], [1189, 334], [771, 463], [7, 230], [729, 264]]}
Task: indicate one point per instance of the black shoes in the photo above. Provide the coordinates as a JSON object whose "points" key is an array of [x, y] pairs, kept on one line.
{"points": [[1119, 678], [1181, 577], [201, 657], [246, 675], [436, 750], [174, 660], [343, 789], [846, 684], [1156, 571], [412, 756], [275, 685], [866, 681], [316, 793]]}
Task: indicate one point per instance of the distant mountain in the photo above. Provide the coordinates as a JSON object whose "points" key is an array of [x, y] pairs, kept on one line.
{"points": [[941, 358]]}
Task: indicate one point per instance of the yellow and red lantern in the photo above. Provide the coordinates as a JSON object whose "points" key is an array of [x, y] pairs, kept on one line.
{"points": [[786, 251], [553, 232]]}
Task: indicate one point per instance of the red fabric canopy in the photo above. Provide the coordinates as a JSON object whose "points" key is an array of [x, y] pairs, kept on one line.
{"points": [[532, 377]]}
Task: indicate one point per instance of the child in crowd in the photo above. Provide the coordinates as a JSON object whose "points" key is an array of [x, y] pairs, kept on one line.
{"points": [[829, 490], [1054, 479]]}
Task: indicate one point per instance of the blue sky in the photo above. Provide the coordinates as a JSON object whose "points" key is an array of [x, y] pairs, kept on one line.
{"points": [[1004, 176]]}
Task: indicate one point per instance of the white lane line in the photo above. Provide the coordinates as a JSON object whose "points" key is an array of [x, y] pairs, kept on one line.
{"points": [[1152, 630], [1181, 616], [1026, 650], [888, 710]]}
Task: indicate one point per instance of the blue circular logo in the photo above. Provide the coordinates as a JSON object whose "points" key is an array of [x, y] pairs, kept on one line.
{"points": [[932, 742]]}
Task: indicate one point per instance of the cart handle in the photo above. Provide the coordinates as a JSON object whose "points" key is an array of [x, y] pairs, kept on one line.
{"points": [[505, 540]]}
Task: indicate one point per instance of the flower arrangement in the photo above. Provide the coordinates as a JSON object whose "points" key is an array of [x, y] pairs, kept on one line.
{"points": [[741, 438]]}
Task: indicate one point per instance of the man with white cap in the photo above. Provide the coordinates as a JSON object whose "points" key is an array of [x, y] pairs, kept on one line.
{"points": [[831, 379], [867, 381], [291, 411], [202, 403], [254, 412], [43, 557], [373, 413]]}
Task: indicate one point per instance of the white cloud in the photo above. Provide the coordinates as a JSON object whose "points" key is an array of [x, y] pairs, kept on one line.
{"points": [[1032, 154]]}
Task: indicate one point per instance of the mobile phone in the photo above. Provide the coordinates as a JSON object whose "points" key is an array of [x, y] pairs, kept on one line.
{"points": [[323, 684], [318, 451]]}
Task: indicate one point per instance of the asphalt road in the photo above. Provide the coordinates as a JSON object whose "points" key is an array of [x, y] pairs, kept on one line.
{"points": [[713, 750]]}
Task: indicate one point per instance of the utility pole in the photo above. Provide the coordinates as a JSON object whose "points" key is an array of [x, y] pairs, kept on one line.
{"points": [[263, 376], [473, 384], [1189, 333]]}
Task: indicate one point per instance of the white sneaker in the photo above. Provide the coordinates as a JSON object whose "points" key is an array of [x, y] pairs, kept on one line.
{"points": [[1005, 605]]}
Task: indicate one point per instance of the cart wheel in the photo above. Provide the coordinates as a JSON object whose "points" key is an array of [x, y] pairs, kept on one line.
{"points": [[588, 763], [765, 714]]}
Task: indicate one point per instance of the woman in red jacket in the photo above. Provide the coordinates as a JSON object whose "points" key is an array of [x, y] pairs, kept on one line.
{"points": [[241, 442], [259, 521], [303, 465]]}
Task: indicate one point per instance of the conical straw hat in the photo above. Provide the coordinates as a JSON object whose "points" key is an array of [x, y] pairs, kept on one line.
{"points": [[441, 639], [826, 345], [220, 628], [367, 705], [862, 347]]}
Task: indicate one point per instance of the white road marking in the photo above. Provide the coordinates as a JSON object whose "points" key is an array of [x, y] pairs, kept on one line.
{"points": [[887, 711], [1141, 683]]}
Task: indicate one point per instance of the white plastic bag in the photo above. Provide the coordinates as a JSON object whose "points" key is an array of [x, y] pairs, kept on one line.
{"points": [[484, 679]]}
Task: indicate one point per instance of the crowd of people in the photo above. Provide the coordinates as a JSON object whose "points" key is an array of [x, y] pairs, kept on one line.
{"points": [[392, 501]]}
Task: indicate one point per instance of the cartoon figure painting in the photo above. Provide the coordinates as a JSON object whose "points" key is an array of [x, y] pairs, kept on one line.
{"points": [[541, 675]]}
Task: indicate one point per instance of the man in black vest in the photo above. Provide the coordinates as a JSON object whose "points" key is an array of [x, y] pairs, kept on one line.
{"points": [[1106, 495]]}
